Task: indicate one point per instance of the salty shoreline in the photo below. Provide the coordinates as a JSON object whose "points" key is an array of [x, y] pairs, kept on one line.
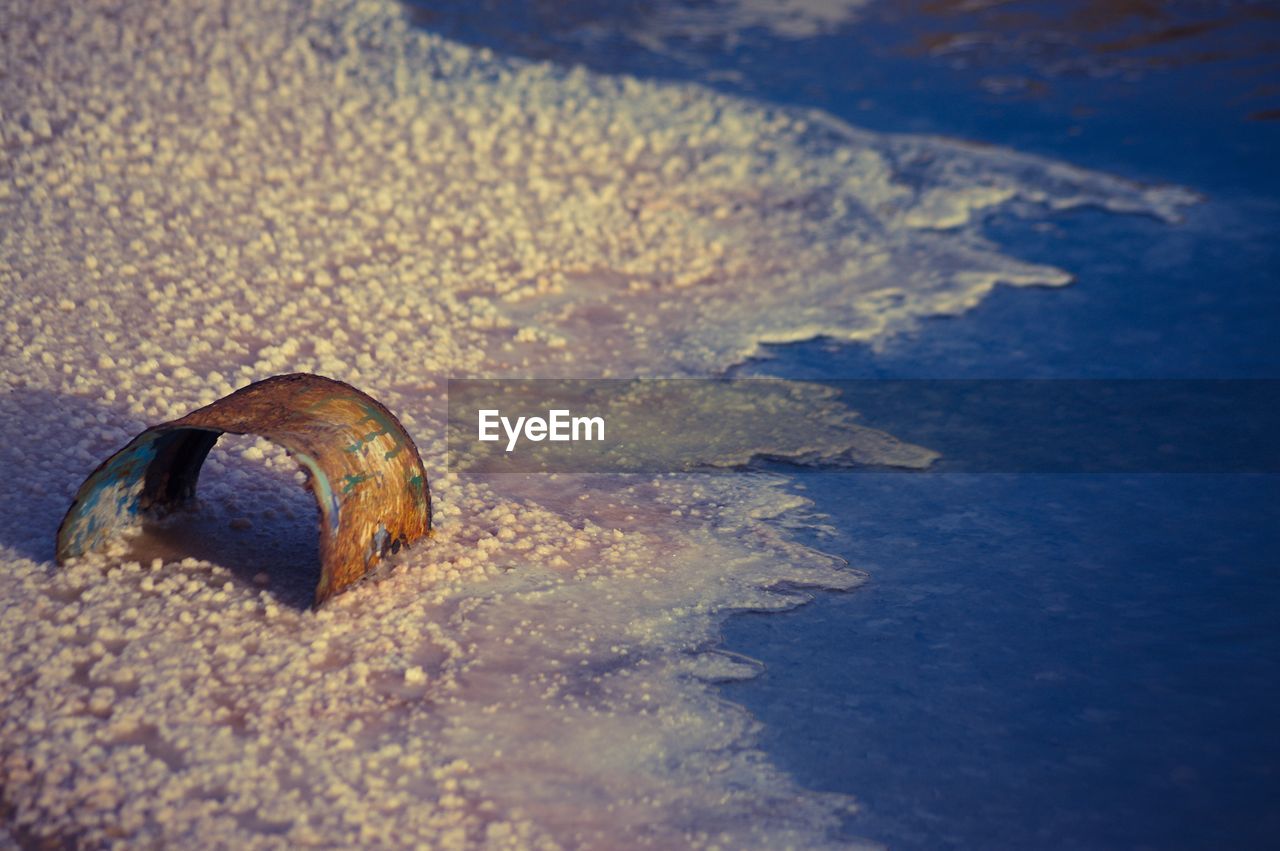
{"points": [[203, 199]]}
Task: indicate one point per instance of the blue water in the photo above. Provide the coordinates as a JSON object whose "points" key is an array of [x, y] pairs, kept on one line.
{"points": [[1037, 661], [1058, 661]]}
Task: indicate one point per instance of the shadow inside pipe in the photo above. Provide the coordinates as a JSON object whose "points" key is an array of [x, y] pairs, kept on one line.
{"points": [[257, 520]]}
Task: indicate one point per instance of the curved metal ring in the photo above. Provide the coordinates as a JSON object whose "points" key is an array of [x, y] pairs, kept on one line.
{"points": [[361, 465]]}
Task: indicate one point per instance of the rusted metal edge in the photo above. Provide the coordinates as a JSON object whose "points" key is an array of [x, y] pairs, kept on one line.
{"points": [[361, 465]]}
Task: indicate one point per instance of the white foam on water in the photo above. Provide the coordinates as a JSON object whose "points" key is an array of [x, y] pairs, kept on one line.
{"points": [[732, 20], [193, 197]]}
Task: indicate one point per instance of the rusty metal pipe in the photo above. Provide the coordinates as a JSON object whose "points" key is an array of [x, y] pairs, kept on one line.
{"points": [[362, 467]]}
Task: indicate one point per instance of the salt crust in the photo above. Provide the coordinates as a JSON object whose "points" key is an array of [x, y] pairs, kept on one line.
{"points": [[194, 196]]}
